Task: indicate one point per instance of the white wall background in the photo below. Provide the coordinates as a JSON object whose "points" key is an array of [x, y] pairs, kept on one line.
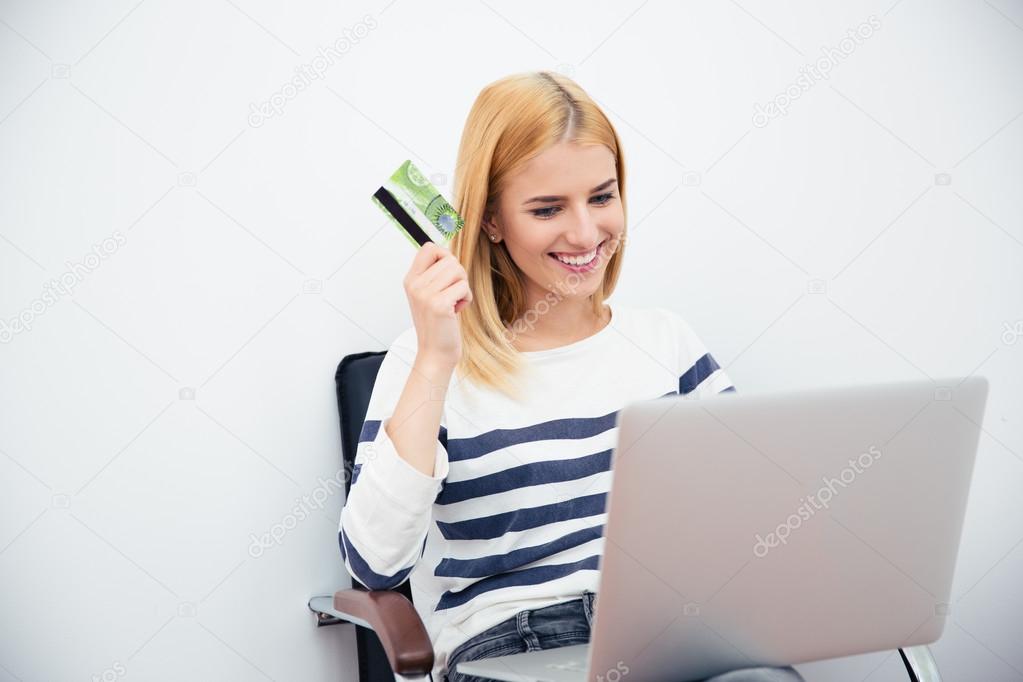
{"points": [[177, 398]]}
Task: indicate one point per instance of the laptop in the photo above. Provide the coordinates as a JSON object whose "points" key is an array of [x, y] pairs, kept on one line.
{"points": [[773, 529]]}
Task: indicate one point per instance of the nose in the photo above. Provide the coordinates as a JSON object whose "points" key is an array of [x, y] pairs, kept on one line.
{"points": [[585, 231]]}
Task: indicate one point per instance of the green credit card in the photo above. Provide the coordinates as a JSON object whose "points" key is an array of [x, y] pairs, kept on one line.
{"points": [[416, 208]]}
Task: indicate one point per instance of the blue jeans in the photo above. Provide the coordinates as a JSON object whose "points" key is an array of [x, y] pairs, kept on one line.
{"points": [[561, 625]]}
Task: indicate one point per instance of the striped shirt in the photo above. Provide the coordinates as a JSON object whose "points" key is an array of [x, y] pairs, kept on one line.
{"points": [[514, 514]]}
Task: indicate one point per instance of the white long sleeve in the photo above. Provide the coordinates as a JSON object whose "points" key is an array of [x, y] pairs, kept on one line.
{"points": [[385, 519]]}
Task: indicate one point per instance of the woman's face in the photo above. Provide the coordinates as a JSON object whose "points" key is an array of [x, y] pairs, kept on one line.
{"points": [[565, 202]]}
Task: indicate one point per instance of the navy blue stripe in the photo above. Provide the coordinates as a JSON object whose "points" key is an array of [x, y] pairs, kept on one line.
{"points": [[489, 527], [695, 375], [526, 475], [355, 473], [371, 427], [730, 389], [363, 572], [556, 429], [528, 576], [502, 563]]}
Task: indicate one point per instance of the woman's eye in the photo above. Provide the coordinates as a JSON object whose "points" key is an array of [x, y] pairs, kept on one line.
{"points": [[550, 211]]}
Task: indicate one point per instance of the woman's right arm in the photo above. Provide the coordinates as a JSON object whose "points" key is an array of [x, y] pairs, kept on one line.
{"points": [[437, 289], [386, 517], [401, 461], [417, 416]]}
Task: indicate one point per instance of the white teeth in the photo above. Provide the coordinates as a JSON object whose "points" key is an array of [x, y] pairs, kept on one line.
{"points": [[577, 260]]}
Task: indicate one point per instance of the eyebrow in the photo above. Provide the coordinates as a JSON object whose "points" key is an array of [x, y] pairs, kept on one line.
{"points": [[551, 199]]}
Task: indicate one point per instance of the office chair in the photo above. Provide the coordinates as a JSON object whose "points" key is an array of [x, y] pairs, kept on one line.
{"points": [[391, 641]]}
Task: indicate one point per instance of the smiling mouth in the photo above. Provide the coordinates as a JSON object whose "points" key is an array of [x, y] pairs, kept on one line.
{"points": [[577, 261]]}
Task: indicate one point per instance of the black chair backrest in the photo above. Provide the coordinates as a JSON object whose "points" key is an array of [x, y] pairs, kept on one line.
{"points": [[354, 381]]}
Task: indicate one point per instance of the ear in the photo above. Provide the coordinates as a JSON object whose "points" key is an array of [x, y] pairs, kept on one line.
{"points": [[489, 226]]}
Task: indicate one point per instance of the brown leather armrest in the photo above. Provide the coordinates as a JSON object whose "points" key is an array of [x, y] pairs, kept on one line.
{"points": [[396, 623]]}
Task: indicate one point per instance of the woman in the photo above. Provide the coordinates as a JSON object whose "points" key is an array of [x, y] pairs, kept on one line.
{"points": [[483, 465]]}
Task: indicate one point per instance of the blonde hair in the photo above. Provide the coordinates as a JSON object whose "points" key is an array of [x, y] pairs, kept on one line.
{"points": [[513, 120]]}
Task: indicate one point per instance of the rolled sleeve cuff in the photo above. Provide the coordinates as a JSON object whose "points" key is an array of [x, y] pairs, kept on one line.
{"points": [[405, 485]]}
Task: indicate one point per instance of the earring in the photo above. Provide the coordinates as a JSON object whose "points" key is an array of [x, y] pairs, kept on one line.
{"points": [[493, 237]]}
